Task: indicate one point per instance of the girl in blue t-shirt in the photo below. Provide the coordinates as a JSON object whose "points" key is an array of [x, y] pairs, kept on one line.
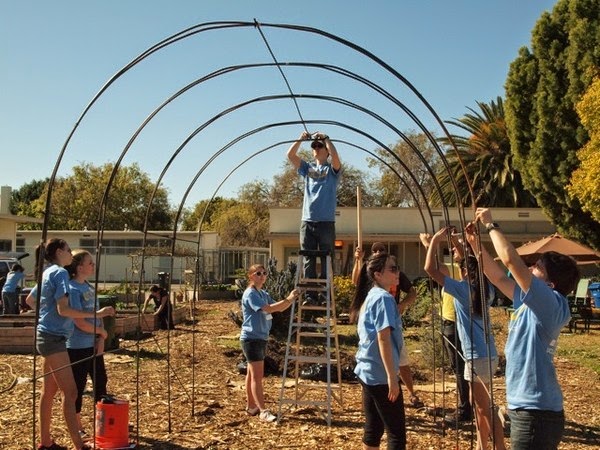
{"points": [[257, 306], [379, 329], [55, 325], [476, 339], [86, 345]]}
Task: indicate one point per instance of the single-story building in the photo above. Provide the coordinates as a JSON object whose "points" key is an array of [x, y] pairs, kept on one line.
{"points": [[399, 229], [9, 222], [121, 251]]}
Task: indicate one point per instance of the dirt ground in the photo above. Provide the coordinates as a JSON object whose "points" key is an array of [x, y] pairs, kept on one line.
{"points": [[200, 403]]}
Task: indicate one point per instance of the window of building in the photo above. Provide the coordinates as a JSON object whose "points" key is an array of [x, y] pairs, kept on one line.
{"points": [[5, 245]]}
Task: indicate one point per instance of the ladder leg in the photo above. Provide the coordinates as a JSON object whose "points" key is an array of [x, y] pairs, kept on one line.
{"points": [[304, 325]]}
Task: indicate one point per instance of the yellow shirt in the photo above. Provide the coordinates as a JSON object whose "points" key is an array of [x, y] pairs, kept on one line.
{"points": [[448, 311]]}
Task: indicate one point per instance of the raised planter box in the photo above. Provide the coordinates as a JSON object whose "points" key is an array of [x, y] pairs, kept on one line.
{"points": [[17, 331], [16, 340], [217, 295]]}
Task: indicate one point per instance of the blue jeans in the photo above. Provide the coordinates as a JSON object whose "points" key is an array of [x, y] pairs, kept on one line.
{"points": [[380, 415], [534, 429], [316, 236], [11, 302]]}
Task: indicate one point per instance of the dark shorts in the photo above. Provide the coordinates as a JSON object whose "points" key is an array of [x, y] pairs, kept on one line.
{"points": [[47, 344], [254, 349]]}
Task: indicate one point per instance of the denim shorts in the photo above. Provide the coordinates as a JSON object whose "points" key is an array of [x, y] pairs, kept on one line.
{"points": [[47, 344], [254, 349]]}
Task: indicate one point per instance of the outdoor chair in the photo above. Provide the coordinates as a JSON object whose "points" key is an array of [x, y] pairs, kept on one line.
{"points": [[580, 305]]}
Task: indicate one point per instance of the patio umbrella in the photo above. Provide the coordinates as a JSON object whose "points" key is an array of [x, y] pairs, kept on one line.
{"points": [[531, 251]]}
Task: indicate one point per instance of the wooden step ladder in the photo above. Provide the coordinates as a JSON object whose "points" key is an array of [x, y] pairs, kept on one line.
{"points": [[312, 324]]}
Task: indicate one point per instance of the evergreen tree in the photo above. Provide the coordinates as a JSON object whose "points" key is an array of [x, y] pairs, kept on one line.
{"points": [[543, 86]]}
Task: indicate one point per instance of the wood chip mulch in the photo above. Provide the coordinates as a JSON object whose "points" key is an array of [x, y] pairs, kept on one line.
{"points": [[200, 403]]}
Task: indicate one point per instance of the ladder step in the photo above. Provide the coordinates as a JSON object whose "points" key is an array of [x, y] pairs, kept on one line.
{"points": [[291, 401], [316, 281], [313, 334], [319, 326], [313, 308], [313, 385], [312, 359], [311, 287], [314, 252]]}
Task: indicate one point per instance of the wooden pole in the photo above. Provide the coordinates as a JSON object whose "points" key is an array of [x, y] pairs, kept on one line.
{"points": [[359, 218]]}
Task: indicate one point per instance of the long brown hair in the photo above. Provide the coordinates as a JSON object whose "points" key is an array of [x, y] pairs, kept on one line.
{"points": [[50, 247], [471, 265], [375, 263]]}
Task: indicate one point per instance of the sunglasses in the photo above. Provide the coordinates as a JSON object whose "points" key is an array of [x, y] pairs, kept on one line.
{"points": [[317, 145], [260, 274], [393, 269]]}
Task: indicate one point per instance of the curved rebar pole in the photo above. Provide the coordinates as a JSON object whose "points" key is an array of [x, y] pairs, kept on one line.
{"points": [[211, 26]]}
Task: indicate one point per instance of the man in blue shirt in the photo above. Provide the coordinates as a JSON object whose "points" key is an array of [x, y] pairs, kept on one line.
{"points": [[321, 178], [534, 397]]}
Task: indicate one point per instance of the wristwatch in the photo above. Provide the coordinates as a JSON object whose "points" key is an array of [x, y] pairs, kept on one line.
{"points": [[492, 226]]}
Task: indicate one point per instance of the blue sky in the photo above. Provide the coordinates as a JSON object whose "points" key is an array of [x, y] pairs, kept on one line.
{"points": [[57, 55]]}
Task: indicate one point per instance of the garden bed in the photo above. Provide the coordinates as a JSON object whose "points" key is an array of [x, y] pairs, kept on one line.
{"points": [[17, 331]]}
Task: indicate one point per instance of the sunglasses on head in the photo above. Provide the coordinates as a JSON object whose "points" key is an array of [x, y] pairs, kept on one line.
{"points": [[260, 274], [317, 145]]}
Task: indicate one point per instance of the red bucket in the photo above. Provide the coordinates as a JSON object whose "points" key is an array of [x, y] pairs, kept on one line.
{"points": [[112, 424]]}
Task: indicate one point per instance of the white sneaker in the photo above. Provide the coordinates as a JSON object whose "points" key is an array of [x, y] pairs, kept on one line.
{"points": [[266, 416]]}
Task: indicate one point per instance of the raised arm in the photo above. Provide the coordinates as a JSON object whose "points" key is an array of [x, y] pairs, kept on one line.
{"points": [[282, 305], [506, 251], [335, 158], [292, 152], [358, 262], [491, 268], [431, 263], [425, 239]]}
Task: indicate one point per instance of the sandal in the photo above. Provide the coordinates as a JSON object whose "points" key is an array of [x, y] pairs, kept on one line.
{"points": [[416, 402]]}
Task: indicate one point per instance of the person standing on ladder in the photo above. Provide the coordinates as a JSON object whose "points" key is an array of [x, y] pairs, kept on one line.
{"points": [[321, 177]]}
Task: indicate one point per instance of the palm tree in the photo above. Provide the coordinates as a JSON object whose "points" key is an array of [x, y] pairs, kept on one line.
{"points": [[487, 159]]}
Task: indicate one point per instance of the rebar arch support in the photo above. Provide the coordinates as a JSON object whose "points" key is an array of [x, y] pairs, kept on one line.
{"points": [[353, 133]]}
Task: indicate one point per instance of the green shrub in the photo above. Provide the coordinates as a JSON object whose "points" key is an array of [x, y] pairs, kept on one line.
{"points": [[215, 287], [343, 289], [422, 305]]}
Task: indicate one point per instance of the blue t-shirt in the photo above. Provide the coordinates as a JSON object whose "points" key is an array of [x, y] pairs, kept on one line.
{"points": [[55, 284], [12, 281], [257, 323], [378, 312], [470, 332], [533, 332], [83, 298], [320, 186]]}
